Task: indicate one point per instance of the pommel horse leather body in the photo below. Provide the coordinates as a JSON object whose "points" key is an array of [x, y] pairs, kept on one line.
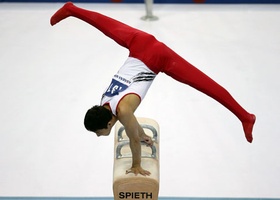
{"points": [[129, 186]]}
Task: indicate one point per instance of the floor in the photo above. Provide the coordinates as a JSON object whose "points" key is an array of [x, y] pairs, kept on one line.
{"points": [[50, 76]]}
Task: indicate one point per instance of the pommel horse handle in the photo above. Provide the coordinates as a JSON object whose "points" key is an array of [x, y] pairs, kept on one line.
{"points": [[122, 144], [129, 186], [144, 126]]}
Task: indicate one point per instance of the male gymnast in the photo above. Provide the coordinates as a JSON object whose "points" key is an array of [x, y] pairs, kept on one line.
{"points": [[147, 57]]}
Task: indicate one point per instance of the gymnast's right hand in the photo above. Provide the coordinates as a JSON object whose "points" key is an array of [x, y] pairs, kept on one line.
{"points": [[138, 170], [148, 140]]}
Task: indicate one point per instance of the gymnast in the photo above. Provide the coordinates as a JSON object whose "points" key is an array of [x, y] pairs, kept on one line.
{"points": [[147, 57]]}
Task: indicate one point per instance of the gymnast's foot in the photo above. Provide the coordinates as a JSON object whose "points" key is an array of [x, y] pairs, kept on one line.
{"points": [[248, 127], [62, 13]]}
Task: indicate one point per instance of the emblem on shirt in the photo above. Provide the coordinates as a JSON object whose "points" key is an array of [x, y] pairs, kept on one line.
{"points": [[117, 85]]}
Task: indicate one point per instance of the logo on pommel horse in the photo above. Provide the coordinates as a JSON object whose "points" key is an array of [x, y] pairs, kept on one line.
{"points": [[135, 195]]}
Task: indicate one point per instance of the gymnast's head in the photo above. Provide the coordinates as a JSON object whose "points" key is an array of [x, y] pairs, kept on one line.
{"points": [[97, 119]]}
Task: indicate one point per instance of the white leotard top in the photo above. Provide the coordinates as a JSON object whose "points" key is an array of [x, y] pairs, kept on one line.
{"points": [[134, 77]]}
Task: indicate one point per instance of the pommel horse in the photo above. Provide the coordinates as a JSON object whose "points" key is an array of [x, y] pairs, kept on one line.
{"points": [[130, 186]]}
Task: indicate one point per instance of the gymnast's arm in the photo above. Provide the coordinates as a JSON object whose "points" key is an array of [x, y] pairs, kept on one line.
{"points": [[126, 116]]}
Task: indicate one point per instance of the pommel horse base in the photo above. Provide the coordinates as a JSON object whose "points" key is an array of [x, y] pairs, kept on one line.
{"points": [[129, 186]]}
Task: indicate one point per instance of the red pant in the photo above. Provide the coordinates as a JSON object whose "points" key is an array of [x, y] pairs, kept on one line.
{"points": [[157, 56]]}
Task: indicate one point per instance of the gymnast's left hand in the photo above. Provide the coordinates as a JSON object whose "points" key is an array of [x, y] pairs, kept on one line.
{"points": [[138, 170]]}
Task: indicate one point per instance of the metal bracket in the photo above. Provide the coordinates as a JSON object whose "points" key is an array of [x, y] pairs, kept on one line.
{"points": [[144, 126], [124, 143]]}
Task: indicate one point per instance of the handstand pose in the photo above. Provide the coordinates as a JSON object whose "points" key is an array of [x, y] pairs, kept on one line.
{"points": [[147, 57]]}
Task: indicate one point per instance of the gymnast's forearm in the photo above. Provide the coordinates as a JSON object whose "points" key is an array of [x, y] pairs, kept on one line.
{"points": [[130, 123], [135, 147]]}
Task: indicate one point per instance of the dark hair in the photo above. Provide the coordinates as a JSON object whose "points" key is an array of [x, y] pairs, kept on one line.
{"points": [[97, 118]]}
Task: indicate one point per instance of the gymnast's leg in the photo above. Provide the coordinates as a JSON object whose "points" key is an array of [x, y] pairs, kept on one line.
{"points": [[183, 71], [118, 31]]}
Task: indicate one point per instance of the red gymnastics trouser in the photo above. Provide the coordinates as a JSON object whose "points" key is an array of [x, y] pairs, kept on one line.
{"points": [[159, 58]]}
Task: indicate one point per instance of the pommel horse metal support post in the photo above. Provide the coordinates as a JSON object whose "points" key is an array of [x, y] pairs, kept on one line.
{"points": [[129, 186]]}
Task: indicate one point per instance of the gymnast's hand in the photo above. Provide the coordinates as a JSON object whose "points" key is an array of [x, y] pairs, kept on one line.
{"points": [[138, 170], [148, 140]]}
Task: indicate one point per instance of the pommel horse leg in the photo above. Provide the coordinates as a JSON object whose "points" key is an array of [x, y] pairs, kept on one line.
{"points": [[129, 186]]}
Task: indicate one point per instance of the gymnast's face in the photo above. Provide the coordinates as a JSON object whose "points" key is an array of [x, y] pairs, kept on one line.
{"points": [[103, 132]]}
